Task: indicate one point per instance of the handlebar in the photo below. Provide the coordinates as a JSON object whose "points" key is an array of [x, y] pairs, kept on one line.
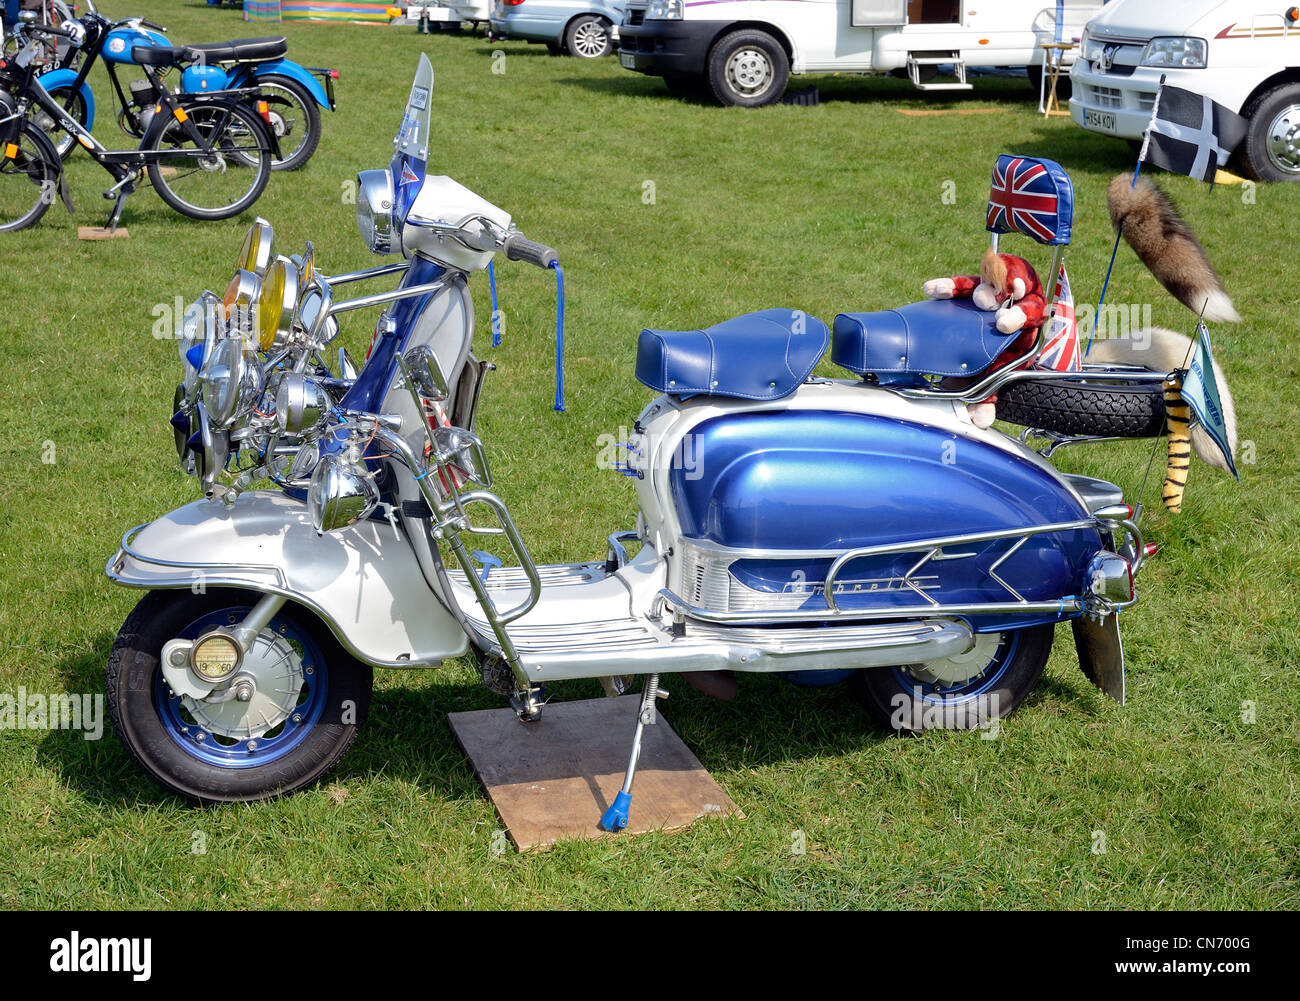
{"points": [[520, 248], [150, 24]]}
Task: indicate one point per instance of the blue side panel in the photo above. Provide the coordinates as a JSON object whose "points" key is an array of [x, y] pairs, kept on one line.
{"points": [[66, 78], [810, 480]]}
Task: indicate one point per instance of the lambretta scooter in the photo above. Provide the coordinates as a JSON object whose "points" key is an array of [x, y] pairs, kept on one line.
{"points": [[787, 523]]}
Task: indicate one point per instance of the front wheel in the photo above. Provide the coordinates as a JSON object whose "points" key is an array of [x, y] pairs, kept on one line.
{"points": [[588, 37], [29, 178], [964, 692], [295, 118], [218, 174], [1272, 143], [748, 68], [301, 700], [63, 141]]}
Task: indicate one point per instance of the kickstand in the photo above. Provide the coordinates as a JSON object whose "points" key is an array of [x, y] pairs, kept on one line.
{"points": [[615, 818], [116, 215]]}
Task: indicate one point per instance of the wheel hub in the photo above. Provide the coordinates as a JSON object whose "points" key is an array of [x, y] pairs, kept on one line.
{"points": [[590, 39], [1284, 140], [961, 668], [750, 71], [259, 698]]}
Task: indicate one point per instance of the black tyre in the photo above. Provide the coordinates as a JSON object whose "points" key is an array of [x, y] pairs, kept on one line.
{"points": [[309, 699], [589, 37], [1272, 144], [1075, 406], [295, 119], [220, 177], [29, 178], [961, 693], [63, 141], [1063, 86], [748, 68]]}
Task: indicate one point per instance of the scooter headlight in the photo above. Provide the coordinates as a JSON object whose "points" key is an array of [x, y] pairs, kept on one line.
{"points": [[230, 381], [276, 301], [375, 210], [237, 305], [340, 494], [255, 254], [301, 404], [197, 333]]}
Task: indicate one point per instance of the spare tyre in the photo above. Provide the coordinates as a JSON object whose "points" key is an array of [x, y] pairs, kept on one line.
{"points": [[1080, 407]]}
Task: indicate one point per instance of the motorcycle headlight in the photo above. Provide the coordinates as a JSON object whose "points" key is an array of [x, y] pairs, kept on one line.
{"points": [[230, 382], [1090, 48], [276, 301], [1176, 53], [375, 209], [664, 10], [255, 253], [340, 494], [198, 331]]}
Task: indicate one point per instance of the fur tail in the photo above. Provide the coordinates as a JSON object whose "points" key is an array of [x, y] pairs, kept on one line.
{"points": [[1163, 351], [1168, 247]]}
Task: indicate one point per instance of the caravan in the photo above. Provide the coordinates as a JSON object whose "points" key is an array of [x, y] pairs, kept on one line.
{"points": [[744, 51]]}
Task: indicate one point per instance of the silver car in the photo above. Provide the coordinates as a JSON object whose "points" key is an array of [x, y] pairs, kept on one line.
{"points": [[587, 29]]}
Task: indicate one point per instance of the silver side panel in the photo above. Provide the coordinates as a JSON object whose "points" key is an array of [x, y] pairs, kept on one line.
{"points": [[364, 582]]}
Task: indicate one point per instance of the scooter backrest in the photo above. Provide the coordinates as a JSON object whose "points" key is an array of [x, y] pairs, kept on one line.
{"points": [[1031, 196]]}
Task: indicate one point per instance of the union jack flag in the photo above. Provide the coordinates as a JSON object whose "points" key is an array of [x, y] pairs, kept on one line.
{"points": [[1062, 349], [1025, 199]]}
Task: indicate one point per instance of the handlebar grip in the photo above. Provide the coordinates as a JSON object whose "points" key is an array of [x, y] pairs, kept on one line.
{"points": [[150, 24], [519, 248]]}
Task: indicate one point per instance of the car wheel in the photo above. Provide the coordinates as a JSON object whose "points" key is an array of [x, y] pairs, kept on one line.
{"points": [[588, 37], [1272, 145], [748, 68]]}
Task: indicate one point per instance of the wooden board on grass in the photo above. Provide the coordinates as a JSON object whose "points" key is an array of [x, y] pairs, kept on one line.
{"points": [[554, 778], [100, 233]]}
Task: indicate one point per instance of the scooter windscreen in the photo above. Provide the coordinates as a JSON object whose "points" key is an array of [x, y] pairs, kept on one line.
{"points": [[410, 162]]}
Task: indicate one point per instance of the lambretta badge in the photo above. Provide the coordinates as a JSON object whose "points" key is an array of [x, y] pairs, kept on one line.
{"points": [[75, 954], [865, 585]]}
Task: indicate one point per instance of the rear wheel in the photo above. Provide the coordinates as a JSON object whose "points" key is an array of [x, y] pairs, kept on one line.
{"points": [[963, 692], [29, 178], [295, 118], [303, 703], [748, 68], [588, 37], [221, 176]]}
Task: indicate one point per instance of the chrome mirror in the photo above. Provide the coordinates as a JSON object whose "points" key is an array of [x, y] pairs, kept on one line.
{"points": [[424, 374], [314, 311]]}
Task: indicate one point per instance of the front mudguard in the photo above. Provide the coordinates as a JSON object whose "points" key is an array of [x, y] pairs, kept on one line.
{"points": [[245, 75], [66, 78], [363, 582]]}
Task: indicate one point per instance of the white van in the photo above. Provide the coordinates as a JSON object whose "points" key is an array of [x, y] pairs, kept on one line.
{"points": [[744, 51], [1243, 54]]}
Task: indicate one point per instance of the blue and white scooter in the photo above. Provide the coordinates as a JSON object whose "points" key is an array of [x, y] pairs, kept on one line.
{"points": [[823, 529], [295, 94]]}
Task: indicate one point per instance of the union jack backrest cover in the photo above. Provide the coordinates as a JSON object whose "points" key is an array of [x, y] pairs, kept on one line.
{"points": [[1033, 197]]}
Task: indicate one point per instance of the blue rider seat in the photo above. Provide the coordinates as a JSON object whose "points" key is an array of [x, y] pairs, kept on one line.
{"points": [[939, 337], [758, 356]]}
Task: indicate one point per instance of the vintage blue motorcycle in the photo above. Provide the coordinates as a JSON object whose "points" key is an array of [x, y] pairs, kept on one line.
{"points": [[861, 528], [294, 94]]}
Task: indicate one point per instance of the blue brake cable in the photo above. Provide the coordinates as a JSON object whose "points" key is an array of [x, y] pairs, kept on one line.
{"points": [[559, 336]]}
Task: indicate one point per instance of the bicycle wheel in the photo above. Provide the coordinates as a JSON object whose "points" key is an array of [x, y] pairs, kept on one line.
{"points": [[63, 141], [29, 178], [218, 178]]}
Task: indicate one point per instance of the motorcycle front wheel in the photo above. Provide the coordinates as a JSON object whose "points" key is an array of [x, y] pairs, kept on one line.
{"points": [[306, 700], [965, 692], [220, 177]]}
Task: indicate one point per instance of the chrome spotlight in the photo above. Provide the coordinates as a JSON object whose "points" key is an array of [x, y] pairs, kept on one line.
{"points": [[463, 450], [230, 381], [375, 209], [341, 494], [301, 404]]}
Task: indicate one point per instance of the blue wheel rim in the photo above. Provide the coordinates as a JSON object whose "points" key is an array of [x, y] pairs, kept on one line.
{"points": [[209, 749], [967, 691]]}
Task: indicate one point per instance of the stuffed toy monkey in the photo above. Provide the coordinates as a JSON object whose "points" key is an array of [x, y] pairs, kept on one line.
{"points": [[1009, 286]]}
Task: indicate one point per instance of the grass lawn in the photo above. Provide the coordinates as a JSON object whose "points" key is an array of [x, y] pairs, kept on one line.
{"points": [[838, 207]]}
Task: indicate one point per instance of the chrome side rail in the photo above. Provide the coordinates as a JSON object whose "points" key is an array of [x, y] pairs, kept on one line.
{"points": [[207, 569], [378, 271]]}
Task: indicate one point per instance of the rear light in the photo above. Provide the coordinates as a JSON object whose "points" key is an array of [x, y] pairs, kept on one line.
{"points": [[513, 3], [334, 74], [1293, 14], [1110, 577], [264, 110], [1150, 549]]}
